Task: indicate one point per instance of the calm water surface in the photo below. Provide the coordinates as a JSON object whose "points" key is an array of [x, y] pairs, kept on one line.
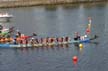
{"points": [[55, 22]]}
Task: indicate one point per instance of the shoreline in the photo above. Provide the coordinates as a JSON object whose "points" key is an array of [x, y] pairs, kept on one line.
{"points": [[29, 3]]}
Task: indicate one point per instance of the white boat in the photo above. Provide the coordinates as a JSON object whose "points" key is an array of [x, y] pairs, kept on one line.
{"points": [[4, 17]]}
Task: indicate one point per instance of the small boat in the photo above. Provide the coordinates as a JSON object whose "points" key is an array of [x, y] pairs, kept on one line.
{"points": [[40, 45], [4, 17]]}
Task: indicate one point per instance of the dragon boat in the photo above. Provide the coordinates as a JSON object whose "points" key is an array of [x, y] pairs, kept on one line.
{"points": [[42, 44]]}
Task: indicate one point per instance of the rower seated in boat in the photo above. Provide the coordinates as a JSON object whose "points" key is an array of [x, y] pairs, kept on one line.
{"points": [[36, 40], [83, 37], [77, 36], [59, 40], [18, 33], [33, 41], [51, 40], [66, 39]]}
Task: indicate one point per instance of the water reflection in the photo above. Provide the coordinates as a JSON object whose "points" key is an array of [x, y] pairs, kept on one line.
{"points": [[41, 49], [79, 50], [70, 6], [51, 8]]}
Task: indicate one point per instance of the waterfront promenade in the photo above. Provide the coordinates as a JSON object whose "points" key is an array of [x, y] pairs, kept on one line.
{"points": [[24, 3]]}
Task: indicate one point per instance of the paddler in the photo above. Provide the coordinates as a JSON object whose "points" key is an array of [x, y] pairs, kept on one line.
{"points": [[77, 36], [4, 32], [51, 40], [24, 37], [2, 40], [60, 39], [18, 34], [66, 39], [32, 41], [41, 40], [14, 41], [57, 39], [47, 39], [37, 41]]}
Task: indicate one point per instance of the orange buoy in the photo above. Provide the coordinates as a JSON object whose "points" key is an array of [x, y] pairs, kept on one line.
{"points": [[75, 59]]}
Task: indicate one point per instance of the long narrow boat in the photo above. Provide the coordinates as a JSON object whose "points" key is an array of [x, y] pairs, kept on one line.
{"points": [[40, 45]]}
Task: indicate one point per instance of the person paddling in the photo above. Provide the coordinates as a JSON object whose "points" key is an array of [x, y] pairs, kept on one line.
{"points": [[18, 34], [22, 36], [77, 36]]}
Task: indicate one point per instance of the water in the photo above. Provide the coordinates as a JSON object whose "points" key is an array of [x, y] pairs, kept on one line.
{"points": [[55, 22]]}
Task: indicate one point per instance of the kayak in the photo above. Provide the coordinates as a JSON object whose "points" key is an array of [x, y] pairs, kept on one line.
{"points": [[40, 44]]}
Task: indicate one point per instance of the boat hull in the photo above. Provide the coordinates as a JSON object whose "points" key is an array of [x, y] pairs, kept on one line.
{"points": [[40, 45]]}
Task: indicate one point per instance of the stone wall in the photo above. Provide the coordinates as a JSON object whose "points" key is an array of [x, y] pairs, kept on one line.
{"points": [[24, 3]]}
